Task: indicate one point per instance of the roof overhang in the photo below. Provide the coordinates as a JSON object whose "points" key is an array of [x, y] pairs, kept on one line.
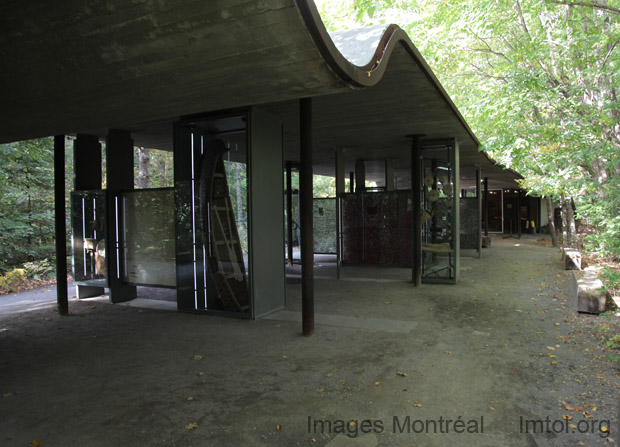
{"points": [[85, 67]]}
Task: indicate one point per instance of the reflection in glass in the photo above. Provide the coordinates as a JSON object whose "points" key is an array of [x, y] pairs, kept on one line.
{"points": [[88, 245], [438, 216], [212, 215], [149, 254]]}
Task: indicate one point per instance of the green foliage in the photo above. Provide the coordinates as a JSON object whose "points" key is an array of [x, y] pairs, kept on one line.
{"points": [[536, 80], [611, 279], [613, 343], [10, 281], [43, 268], [26, 201]]}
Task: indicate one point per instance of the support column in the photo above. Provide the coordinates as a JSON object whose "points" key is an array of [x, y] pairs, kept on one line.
{"points": [[87, 176], [486, 206], [351, 182], [305, 205], [479, 203], [389, 174], [87, 162], [60, 226], [416, 215], [360, 176], [119, 178], [519, 213], [289, 212], [339, 192]]}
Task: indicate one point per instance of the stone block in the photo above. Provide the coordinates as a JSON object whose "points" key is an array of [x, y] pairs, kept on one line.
{"points": [[572, 259], [588, 296]]}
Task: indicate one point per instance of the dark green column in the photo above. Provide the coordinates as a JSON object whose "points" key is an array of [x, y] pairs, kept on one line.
{"points": [[119, 178]]}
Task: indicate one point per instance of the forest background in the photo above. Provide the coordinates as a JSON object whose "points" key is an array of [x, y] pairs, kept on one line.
{"points": [[536, 80]]}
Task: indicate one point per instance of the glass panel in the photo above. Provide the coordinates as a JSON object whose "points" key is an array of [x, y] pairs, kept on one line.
{"points": [[296, 220], [88, 245], [374, 171], [324, 224], [149, 251], [438, 220], [495, 211], [212, 215]]}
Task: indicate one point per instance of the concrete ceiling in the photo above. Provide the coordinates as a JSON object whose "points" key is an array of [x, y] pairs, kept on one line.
{"points": [[85, 66]]}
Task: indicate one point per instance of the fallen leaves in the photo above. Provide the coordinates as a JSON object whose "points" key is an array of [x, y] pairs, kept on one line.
{"points": [[36, 443], [279, 427], [418, 405], [402, 374], [191, 426], [197, 357]]}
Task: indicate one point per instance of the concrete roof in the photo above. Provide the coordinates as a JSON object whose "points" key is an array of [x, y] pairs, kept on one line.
{"points": [[84, 66]]}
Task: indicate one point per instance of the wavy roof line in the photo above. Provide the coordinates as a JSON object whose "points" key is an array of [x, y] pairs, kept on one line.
{"points": [[344, 56], [372, 72]]}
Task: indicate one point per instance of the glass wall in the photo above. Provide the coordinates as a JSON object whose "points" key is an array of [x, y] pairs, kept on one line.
{"points": [[211, 212], [439, 215], [148, 231], [324, 225], [88, 245]]}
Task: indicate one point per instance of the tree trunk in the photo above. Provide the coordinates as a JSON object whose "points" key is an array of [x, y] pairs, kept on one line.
{"points": [[144, 168], [566, 233], [29, 217], [572, 228], [550, 215]]}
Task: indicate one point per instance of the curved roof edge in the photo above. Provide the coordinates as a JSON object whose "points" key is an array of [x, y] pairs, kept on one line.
{"points": [[371, 73]]}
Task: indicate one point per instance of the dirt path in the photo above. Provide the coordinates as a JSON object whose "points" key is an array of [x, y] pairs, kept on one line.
{"points": [[497, 350]]}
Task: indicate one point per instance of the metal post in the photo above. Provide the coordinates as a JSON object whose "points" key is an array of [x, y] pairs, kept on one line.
{"points": [[339, 191], [416, 215], [119, 178], [479, 208], [389, 174], [360, 176], [60, 225], [305, 205], [351, 182], [519, 213], [486, 206], [289, 212]]}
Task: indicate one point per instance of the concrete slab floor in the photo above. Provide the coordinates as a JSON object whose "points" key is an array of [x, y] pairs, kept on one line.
{"points": [[500, 348]]}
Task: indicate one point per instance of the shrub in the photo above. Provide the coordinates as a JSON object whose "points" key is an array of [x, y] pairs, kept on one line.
{"points": [[43, 268], [10, 281]]}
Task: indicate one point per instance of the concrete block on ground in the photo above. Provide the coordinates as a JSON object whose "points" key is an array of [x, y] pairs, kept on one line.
{"points": [[588, 296], [572, 259], [486, 241]]}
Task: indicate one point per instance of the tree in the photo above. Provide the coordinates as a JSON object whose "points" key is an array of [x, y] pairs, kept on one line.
{"points": [[536, 81], [26, 201]]}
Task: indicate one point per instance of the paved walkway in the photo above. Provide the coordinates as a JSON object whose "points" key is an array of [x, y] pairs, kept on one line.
{"points": [[501, 351]]}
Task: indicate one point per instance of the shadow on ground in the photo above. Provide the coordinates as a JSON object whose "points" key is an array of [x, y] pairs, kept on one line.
{"points": [[499, 348]]}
